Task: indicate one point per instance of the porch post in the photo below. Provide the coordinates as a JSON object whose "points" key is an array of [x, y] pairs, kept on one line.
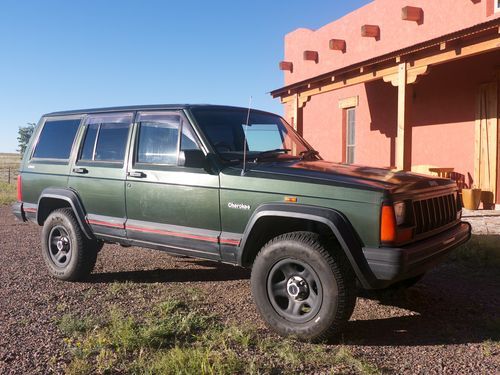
{"points": [[404, 131]]}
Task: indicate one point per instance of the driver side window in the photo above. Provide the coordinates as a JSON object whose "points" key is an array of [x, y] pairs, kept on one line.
{"points": [[158, 138]]}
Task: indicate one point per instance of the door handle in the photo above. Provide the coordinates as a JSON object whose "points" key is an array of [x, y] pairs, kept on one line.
{"points": [[137, 174], [80, 170]]}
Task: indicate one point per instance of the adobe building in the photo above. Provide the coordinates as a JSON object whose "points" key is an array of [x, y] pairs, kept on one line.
{"points": [[410, 85]]}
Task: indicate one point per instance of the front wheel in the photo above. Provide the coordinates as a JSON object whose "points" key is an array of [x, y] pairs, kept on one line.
{"points": [[301, 289], [68, 254]]}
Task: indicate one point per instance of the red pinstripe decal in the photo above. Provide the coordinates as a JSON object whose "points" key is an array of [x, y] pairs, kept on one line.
{"points": [[166, 232], [106, 224], [230, 242], [174, 234], [30, 209]]}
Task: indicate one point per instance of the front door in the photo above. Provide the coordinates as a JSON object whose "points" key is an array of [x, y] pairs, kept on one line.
{"points": [[99, 172], [487, 141], [167, 204]]}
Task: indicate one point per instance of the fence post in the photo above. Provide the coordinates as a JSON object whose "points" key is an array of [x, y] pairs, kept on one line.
{"points": [[8, 178]]}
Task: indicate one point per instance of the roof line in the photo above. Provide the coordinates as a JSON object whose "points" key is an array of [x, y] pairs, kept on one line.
{"points": [[382, 58]]}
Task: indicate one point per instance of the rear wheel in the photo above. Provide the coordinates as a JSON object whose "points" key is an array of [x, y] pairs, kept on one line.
{"points": [[301, 289], [68, 254]]}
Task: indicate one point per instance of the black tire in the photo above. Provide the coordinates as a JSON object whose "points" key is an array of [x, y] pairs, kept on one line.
{"points": [[68, 254], [316, 310]]}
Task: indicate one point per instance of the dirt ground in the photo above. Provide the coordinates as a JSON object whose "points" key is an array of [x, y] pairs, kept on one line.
{"points": [[449, 323]]}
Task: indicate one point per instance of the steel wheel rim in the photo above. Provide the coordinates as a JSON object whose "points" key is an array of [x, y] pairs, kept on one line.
{"points": [[59, 244], [294, 290]]}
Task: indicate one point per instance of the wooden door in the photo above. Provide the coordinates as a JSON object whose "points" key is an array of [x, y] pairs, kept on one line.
{"points": [[486, 139]]}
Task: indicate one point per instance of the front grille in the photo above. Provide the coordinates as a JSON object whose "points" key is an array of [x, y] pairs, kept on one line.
{"points": [[434, 212]]}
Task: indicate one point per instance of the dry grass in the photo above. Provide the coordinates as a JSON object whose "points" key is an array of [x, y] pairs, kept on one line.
{"points": [[9, 165], [175, 338], [7, 193], [9, 160]]}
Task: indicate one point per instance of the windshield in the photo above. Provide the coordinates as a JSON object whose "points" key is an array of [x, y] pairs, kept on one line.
{"points": [[267, 135]]}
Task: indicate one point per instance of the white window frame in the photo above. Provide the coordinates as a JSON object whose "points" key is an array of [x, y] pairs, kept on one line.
{"points": [[497, 6], [347, 144]]}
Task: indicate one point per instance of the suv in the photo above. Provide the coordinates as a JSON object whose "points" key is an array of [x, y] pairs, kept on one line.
{"points": [[237, 186]]}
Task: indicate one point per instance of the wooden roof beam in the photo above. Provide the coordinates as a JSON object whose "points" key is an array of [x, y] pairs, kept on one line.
{"points": [[414, 14], [286, 66], [370, 31], [337, 45], [311, 56]]}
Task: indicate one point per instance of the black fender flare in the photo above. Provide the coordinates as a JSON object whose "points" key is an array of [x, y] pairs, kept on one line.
{"points": [[71, 197], [340, 226]]}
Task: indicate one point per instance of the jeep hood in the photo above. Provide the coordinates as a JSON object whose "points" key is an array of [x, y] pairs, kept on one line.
{"points": [[348, 175]]}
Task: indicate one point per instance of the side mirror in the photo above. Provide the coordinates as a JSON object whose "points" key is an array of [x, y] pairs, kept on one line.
{"points": [[192, 159]]}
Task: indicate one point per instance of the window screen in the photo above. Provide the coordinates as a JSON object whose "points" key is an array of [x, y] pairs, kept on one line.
{"points": [[56, 139], [106, 138], [350, 135]]}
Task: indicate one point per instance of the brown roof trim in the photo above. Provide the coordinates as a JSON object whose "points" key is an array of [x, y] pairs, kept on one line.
{"points": [[479, 28]]}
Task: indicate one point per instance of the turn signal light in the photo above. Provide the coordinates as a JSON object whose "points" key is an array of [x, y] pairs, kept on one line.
{"points": [[19, 189], [387, 224]]}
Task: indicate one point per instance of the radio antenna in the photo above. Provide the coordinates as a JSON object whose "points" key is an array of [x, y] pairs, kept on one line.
{"points": [[243, 170]]}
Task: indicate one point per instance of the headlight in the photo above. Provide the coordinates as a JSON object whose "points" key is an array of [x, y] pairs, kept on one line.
{"points": [[400, 212]]}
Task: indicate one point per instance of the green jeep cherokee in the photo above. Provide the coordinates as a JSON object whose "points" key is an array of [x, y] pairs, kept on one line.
{"points": [[235, 186]]}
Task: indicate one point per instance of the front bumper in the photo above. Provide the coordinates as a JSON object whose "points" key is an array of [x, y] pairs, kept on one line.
{"points": [[390, 265]]}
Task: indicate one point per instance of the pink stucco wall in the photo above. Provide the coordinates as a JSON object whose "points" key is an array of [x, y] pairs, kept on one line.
{"points": [[442, 115], [441, 17]]}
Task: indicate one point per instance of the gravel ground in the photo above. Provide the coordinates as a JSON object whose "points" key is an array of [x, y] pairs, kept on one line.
{"points": [[443, 325]]}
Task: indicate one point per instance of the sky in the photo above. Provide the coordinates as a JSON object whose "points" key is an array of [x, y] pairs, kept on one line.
{"points": [[62, 55]]}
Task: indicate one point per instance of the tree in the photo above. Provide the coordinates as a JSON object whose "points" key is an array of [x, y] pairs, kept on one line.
{"points": [[24, 135]]}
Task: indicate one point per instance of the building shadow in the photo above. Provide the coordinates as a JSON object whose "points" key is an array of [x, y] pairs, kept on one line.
{"points": [[433, 316]]}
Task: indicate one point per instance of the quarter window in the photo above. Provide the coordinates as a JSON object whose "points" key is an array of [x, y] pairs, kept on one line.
{"points": [[56, 139], [350, 135], [106, 138]]}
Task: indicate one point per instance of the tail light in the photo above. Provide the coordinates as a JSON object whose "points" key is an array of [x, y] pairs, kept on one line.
{"points": [[19, 189]]}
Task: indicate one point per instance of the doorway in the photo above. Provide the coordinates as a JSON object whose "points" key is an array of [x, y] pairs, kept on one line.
{"points": [[487, 141]]}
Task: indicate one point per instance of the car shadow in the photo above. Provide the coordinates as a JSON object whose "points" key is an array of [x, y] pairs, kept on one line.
{"points": [[215, 272], [432, 317]]}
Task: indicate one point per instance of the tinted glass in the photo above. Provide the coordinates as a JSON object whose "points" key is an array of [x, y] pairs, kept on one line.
{"points": [[88, 145], [225, 129], [159, 137], [158, 142], [111, 142], [263, 137], [56, 139], [111, 132], [188, 140]]}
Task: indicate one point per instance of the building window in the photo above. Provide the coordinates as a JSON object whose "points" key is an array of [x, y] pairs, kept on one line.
{"points": [[497, 5], [350, 141]]}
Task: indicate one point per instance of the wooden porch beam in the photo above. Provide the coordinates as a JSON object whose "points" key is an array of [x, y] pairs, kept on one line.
{"points": [[404, 134], [414, 65]]}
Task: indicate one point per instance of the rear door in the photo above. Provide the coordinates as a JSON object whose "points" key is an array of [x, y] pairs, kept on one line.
{"points": [[168, 204], [48, 162], [98, 174]]}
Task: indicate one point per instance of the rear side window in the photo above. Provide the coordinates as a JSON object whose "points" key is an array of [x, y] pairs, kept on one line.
{"points": [[56, 139], [106, 138]]}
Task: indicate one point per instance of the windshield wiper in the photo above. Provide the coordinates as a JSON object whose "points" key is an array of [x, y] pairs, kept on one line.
{"points": [[308, 153], [265, 154]]}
